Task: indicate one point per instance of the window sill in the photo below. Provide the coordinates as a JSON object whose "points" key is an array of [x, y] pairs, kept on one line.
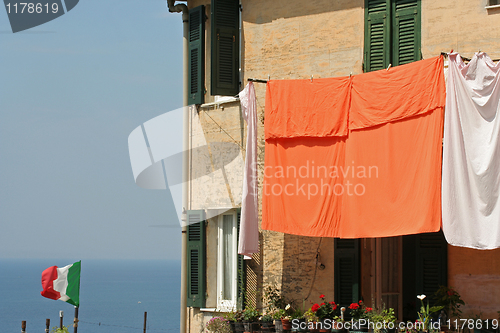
{"points": [[220, 102], [208, 309], [492, 6], [215, 310]]}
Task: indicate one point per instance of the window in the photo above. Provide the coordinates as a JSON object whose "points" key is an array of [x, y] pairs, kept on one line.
{"points": [[392, 33], [227, 262], [196, 259], [346, 271], [196, 75], [493, 4], [225, 35], [224, 48]]}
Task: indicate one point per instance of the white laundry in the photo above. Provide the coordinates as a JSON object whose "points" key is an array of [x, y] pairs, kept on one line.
{"points": [[471, 153]]}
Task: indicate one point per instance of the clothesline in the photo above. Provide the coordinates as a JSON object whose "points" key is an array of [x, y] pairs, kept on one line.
{"points": [[445, 54]]}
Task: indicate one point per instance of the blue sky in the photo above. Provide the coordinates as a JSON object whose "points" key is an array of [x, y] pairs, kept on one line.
{"points": [[71, 91]]}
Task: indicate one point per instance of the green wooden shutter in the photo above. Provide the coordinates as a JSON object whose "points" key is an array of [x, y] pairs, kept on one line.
{"points": [[406, 31], [377, 34], [241, 273], [225, 18], [196, 266], [431, 263], [196, 75], [346, 268]]}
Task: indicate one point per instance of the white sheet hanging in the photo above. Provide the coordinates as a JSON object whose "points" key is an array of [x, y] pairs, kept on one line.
{"points": [[471, 153], [248, 242]]}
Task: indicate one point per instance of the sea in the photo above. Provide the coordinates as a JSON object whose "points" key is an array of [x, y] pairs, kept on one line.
{"points": [[114, 294]]}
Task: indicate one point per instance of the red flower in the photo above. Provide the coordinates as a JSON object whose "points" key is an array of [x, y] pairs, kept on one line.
{"points": [[315, 307], [334, 306], [322, 304], [354, 306], [451, 292], [321, 296], [369, 309]]}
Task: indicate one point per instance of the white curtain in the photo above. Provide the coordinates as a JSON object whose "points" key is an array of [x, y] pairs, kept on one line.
{"points": [[228, 256]]}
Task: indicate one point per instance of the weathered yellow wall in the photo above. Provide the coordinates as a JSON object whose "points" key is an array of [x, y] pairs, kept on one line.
{"points": [[463, 25], [475, 274]]}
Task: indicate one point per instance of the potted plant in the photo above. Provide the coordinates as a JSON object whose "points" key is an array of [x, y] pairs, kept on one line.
{"points": [[325, 311], [276, 305], [56, 329], [357, 312], [250, 316], [298, 321], [425, 313], [267, 322], [312, 319], [338, 324], [218, 325], [235, 319], [451, 301], [277, 315], [381, 320]]}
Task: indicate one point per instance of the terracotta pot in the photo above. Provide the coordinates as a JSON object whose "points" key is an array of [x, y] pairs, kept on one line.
{"points": [[287, 325]]}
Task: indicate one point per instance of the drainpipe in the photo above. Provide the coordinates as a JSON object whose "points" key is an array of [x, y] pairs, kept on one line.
{"points": [[173, 8]]}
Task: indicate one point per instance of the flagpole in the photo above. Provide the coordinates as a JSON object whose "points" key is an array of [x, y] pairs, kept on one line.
{"points": [[75, 321]]}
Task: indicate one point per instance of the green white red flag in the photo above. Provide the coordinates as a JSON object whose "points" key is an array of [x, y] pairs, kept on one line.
{"points": [[62, 283]]}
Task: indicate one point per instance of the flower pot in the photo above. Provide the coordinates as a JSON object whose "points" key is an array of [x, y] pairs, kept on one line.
{"points": [[287, 325], [278, 326], [326, 326], [388, 330], [267, 325], [298, 323], [313, 327], [250, 327], [238, 326], [357, 328], [247, 326]]}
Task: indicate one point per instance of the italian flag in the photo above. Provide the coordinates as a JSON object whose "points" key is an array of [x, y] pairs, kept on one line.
{"points": [[62, 283]]}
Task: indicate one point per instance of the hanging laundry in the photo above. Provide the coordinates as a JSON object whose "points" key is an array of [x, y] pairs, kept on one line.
{"points": [[471, 153], [248, 242], [379, 178]]}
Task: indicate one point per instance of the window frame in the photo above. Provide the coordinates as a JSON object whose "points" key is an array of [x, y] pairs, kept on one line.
{"points": [[222, 304]]}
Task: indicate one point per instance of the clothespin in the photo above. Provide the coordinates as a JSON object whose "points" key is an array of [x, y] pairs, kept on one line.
{"points": [[268, 77], [312, 78], [389, 66], [350, 74]]}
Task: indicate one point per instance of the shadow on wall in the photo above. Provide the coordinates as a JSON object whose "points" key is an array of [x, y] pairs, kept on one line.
{"points": [[283, 9]]}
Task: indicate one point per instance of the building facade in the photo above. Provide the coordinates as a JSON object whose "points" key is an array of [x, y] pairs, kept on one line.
{"points": [[231, 42]]}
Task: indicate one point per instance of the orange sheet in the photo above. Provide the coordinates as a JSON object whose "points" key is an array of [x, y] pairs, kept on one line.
{"points": [[381, 180], [398, 93], [298, 108]]}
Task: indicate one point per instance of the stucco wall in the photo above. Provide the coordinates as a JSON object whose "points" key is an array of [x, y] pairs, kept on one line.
{"points": [[463, 25], [475, 274]]}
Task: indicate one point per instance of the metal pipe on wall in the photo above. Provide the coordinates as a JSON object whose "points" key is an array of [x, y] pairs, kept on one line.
{"points": [[173, 8]]}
